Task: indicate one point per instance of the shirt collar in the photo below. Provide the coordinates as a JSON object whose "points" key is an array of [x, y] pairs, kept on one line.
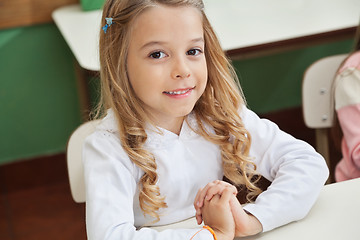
{"points": [[157, 137]]}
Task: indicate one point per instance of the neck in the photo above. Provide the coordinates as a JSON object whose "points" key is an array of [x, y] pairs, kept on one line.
{"points": [[173, 125]]}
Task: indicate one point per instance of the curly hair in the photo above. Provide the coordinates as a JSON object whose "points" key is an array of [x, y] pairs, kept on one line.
{"points": [[218, 107]]}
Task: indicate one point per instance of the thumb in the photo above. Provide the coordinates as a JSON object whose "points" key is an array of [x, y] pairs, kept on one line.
{"points": [[236, 208]]}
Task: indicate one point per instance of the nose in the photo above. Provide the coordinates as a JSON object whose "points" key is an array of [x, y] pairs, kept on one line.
{"points": [[180, 69]]}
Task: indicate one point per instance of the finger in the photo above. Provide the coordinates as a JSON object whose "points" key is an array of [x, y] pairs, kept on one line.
{"points": [[202, 194], [216, 187], [226, 195], [198, 212], [234, 189], [226, 184], [196, 200], [198, 219], [219, 188], [236, 207], [215, 199]]}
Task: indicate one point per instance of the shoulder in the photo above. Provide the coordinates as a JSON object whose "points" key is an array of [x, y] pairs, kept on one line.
{"points": [[253, 122], [103, 150], [108, 123], [347, 83], [106, 131], [104, 142], [352, 62]]}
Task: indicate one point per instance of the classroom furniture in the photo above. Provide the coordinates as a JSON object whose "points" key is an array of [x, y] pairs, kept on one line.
{"points": [[19, 13], [74, 159], [334, 215], [245, 28], [318, 100]]}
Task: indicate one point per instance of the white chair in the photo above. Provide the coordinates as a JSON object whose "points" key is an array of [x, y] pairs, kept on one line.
{"points": [[74, 159], [318, 101]]}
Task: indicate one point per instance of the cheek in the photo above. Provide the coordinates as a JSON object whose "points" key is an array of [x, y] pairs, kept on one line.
{"points": [[204, 74], [142, 82], [135, 73]]}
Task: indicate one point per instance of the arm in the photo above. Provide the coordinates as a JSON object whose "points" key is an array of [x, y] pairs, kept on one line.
{"points": [[296, 171], [111, 194], [245, 223]]}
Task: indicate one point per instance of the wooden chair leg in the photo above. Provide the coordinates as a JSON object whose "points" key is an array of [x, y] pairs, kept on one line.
{"points": [[83, 91], [322, 146]]}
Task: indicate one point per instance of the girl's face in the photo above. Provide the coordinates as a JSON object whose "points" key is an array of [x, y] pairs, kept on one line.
{"points": [[166, 63]]}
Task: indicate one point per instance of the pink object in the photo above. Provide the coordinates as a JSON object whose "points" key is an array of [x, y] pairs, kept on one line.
{"points": [[347, 98]]}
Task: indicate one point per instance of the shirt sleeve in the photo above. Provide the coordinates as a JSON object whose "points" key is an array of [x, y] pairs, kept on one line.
{"points": [[111, 184], [296, 170]]}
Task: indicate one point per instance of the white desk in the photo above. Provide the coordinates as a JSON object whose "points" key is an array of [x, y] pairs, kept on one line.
{"points": [[335, 216], [242, 26], [81, 32]]}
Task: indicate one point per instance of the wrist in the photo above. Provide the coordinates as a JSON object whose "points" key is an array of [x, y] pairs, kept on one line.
{"points": [[256, 225], [253, 227], [211, 231], [220, 235]]}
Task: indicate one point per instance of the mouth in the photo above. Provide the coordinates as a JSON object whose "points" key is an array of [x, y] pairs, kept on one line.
{"points": [[179, 91]]}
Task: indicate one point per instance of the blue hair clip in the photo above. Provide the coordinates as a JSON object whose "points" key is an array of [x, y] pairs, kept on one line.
{"points": [[108, 24]]}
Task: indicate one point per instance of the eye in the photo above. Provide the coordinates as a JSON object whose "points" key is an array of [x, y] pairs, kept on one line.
{"points": [[157, 55], [193, 52]]}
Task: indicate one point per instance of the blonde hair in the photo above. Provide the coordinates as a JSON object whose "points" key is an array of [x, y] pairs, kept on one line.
{"points": [[218, 106]]}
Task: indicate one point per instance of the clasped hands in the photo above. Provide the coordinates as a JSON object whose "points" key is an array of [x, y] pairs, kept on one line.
{"points": [[216, 204]]}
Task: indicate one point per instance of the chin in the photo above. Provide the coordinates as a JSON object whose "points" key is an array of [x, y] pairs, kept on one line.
{"points": [[184, 112]]}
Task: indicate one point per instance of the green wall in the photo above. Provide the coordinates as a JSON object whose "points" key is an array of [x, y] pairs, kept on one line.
{"points": [[38, 94], [274, 82]]}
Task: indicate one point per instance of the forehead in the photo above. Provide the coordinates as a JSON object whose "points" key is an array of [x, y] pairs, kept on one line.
{"points": [[165, 22]]}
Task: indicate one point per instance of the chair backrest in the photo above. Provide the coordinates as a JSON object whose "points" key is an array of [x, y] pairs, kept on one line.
{"points": [[318, 108], [74, 159], [318, 101]]}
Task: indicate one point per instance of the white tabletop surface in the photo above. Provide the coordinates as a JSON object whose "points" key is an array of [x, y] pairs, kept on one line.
{"points": [[238, 23], [335, 216], [265, 21]]}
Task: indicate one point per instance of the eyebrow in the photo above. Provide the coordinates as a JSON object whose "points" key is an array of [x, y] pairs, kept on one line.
{"points": [[151, 43]]}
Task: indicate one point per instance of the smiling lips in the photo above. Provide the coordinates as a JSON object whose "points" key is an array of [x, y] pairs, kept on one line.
{"points": [[179, 93]]}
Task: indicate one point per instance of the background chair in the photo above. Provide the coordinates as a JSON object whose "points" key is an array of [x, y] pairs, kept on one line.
{"points": [[318, 102], [74, 159]]}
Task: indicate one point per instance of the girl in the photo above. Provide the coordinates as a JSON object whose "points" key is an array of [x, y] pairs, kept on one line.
{"points": [[175, 124], [347, 105]]}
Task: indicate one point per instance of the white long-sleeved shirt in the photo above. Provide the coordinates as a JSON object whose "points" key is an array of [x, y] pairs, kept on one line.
{"points": [[185, 163]]}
